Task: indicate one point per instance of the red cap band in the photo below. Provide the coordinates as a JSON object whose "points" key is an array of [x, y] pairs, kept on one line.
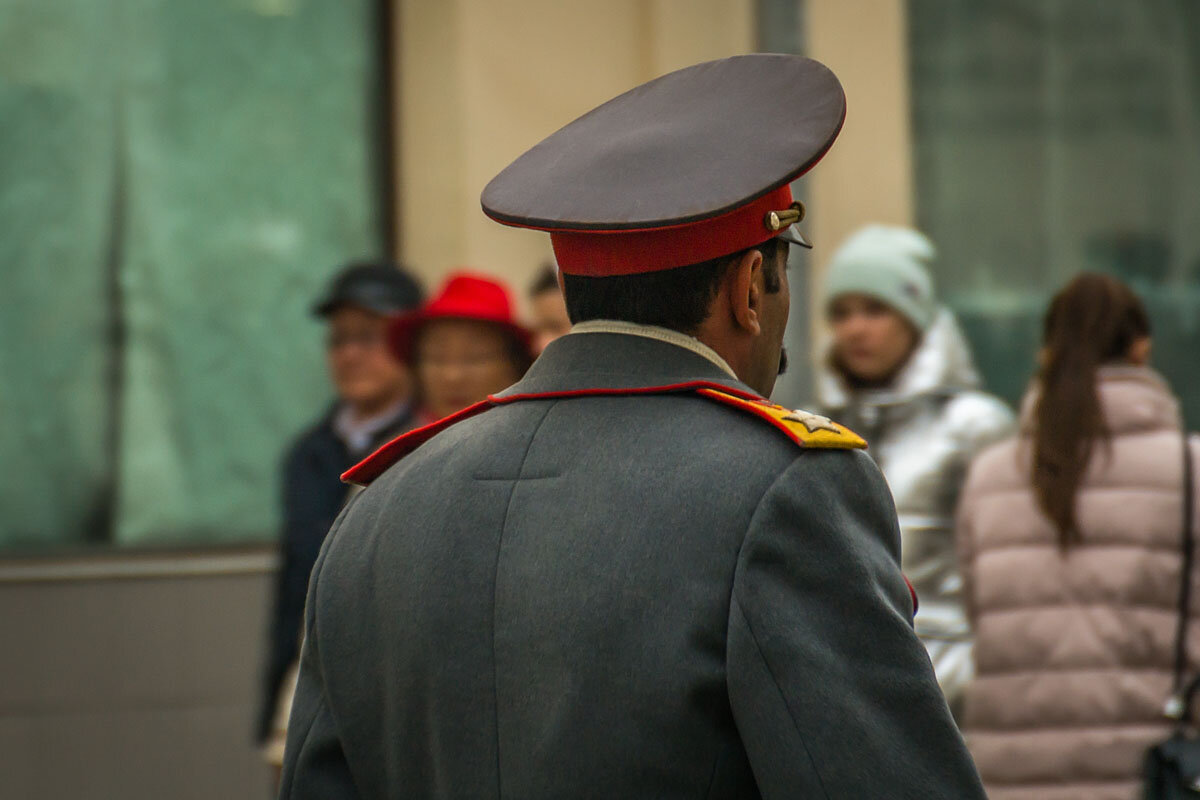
{"points": [[600, 254]]}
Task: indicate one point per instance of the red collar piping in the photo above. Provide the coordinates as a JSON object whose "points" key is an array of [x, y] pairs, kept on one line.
{"points": [[375, 464]]}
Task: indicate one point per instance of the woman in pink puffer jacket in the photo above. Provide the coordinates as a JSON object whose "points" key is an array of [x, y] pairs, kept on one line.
{"points": [[1069, 538]]}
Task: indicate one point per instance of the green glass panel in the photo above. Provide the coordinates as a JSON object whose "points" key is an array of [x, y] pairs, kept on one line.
{"points": [[56, 351], [177, 180], [1051, 137], [249, 179]]}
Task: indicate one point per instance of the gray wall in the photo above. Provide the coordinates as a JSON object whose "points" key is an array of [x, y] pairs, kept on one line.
{"points": [[132, 677]]}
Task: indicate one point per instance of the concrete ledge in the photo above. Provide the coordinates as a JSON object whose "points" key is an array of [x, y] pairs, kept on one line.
{"points": [[125, 566]]}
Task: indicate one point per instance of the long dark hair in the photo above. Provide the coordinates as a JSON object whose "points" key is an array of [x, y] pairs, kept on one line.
{"points": [[1095, 319]]}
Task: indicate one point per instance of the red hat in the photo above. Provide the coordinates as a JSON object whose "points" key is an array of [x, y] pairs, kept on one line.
{"points": [[463, 296]]}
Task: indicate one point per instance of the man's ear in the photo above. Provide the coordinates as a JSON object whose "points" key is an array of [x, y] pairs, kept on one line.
{"points": [[745, 295]]}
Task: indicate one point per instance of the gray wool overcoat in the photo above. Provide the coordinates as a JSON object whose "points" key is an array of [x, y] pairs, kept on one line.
{"points": [[618, 596]]}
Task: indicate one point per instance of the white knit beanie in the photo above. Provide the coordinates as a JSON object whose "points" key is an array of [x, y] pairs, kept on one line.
{"points": [[888, 263]]}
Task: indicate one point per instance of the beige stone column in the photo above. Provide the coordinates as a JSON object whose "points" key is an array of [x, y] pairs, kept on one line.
{"points": [[867, 176], [479, 82]]}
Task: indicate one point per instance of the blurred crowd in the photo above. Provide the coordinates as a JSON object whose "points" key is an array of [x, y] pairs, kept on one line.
{"points": [[1044, 543], [396, 361]]}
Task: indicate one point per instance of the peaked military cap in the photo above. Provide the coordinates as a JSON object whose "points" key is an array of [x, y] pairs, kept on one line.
{"points": [[691, 166]]}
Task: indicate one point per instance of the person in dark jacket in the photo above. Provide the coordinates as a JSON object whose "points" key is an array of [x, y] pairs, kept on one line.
{"points": [[630, 575], [374, 403]]}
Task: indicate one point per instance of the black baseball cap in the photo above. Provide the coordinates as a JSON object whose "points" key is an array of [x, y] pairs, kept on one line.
{"points": [[378, 286]]}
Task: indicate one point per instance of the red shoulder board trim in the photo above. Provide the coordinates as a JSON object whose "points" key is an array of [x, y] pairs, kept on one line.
{"points": [[375, 464], [803, 428]]}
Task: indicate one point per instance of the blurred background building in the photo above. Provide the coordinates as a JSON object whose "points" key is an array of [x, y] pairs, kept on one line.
{"points": [[178, 179]]}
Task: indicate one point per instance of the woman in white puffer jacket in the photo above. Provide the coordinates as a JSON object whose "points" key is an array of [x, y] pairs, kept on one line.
{"points": [[898, 371]]}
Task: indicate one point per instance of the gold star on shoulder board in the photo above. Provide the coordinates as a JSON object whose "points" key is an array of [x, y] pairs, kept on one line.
{"points": [[814, 422], [803, 428]]}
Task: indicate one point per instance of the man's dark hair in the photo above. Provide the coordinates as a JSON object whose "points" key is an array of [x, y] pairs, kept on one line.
{"points": [[545, 280], [676, 298]]}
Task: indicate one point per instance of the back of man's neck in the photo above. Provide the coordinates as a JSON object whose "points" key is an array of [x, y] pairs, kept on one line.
{"points": [[677, 338]]}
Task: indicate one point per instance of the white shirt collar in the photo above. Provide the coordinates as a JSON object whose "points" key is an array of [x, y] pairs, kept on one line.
{"points": [[658, 333], [358, 434]]}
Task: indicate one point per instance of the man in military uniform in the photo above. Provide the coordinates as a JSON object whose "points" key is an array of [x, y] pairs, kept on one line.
{"points": [[630, 575]]}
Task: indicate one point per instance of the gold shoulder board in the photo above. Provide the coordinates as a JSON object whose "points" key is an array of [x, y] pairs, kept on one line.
{"points": [[803, 428]]}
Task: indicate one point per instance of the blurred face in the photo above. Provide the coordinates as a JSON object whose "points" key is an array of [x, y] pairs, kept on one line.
{"points": [[871, 342], [364, 373], [549, 318], [460, 362], [767, 354]]}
